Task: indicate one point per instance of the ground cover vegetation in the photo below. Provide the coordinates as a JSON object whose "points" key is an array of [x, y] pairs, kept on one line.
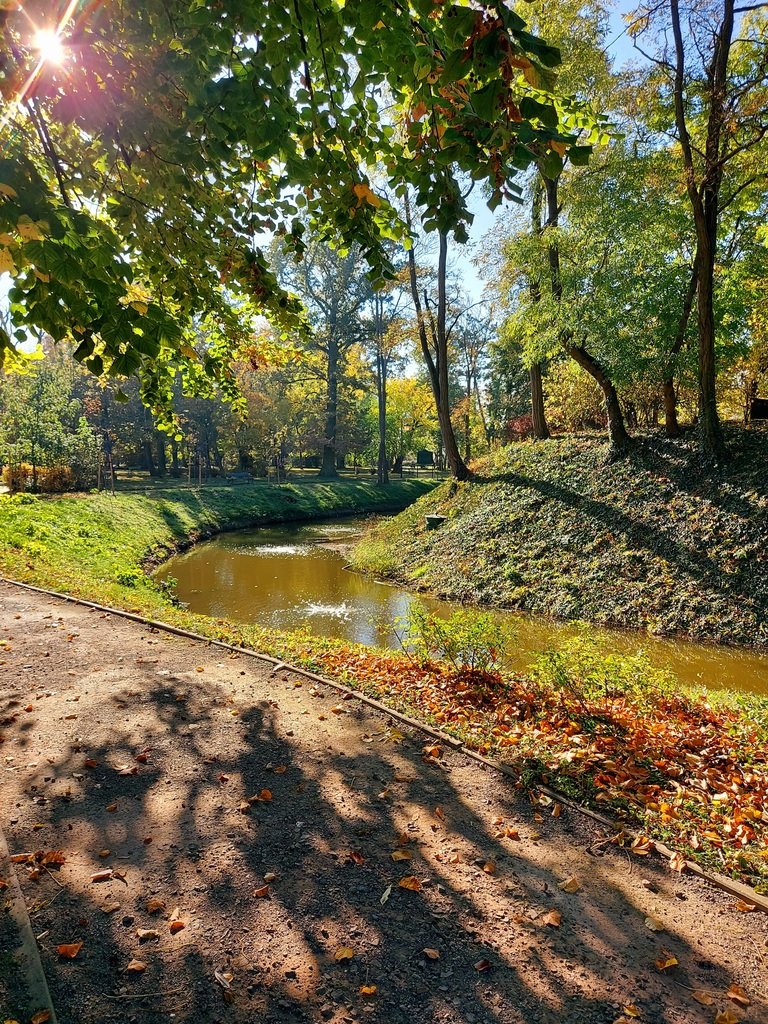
{"points": [[652, 542], [615, 733]]}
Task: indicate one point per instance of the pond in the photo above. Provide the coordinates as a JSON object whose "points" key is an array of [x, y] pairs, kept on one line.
{"points": [[293, 576]]}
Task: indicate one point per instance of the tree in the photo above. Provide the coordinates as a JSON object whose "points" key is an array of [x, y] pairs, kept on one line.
{"points": [[717, 121]]}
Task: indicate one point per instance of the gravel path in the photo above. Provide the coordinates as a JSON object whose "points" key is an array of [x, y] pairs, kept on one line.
{"points": [[136, 752]]}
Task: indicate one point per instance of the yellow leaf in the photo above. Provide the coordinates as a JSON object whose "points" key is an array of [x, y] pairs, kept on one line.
{"points": [[571, 884], [140, 307], [343, 953], [727, 1017], [653, 924], [553, 918], [7, 266], [400, 855], [666, 960], [30, 231], [365, 195], [631, 1010], [367, 991], [9, 191]]}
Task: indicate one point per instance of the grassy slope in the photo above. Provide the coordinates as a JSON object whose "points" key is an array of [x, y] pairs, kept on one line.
{"points": [[96, 545], [649, 542]]}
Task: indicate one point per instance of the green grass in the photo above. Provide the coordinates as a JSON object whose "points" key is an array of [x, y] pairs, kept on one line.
{"points": [[98, 545], [654, 542]]}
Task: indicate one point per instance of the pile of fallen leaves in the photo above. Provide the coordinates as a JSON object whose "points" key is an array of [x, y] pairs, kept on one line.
{"points": [[690, 773]]}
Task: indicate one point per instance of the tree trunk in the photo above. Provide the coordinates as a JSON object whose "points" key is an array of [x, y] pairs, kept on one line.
{"points": [[382, 468], [704, 198], [328, 466], [175, 470], [540, 428], [162, 464], [437, 366], [617, 432], [670, 395]]}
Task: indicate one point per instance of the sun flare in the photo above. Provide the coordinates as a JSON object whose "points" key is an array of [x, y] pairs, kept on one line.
{"points": [[49, 46]]}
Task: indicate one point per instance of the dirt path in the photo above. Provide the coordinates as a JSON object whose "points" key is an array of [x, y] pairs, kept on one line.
{"points": [[132, 750]]}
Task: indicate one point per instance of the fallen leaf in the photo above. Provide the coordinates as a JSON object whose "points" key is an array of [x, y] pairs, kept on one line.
{"points": [[677, 862], [702, 997], [262, 797], [367, 991], [154, 905], [665, 960], [145, 934], [431, 954], [440, 813], [110, 908], [262, 892], [136, 966], [401, 855], [482, 965], [69, 950], [343, 953], [356, 857], [553, 918], [176, 926], [52, 858], [385, 895], [112, 808], [3, 885], [40, 1017], [653, 924], [642, 846], [104, 853], [270, 876], [571, 884], [630, 1010], [224, 979], [739, 995], [727, 1017], [489, 867], [102, 876], [410, 882], [744, 907]]}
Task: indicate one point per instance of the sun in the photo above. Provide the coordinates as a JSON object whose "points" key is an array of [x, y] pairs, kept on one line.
{"points": [[49, 46]]}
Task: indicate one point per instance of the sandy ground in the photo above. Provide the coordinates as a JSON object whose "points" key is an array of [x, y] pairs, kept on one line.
{"points": [[137, 752]]}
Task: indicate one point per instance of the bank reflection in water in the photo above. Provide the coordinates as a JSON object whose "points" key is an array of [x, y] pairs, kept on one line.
{"points": [[285, 577]]}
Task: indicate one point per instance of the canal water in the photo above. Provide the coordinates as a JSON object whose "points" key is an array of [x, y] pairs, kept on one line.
{"points": [[293, 576]]}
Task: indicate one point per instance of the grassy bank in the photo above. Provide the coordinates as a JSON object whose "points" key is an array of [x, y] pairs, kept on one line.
{"points": [[688, 768], [652, 542], [97, 545]]}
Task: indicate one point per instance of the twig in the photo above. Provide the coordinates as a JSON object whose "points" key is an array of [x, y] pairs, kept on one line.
{"points": [[145, 995], [47, 903]]}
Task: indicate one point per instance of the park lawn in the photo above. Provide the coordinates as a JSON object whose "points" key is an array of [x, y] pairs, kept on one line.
{"points": [[615, 734]]}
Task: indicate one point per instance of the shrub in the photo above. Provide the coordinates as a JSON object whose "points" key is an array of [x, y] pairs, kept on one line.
{"points": [[55, 479], [468, 640], [15, 477], [519, 427]]}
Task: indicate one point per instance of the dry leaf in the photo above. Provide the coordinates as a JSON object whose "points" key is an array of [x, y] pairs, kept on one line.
{"points": [[102, 876], [431, 954], [653, 924], [738, 995], [665, 959], [440, 813], [41, 1017], [224, 979], [3, 885], [270, 876], [262, 892], [630, 1010], [154, 905], [677, 862], [400, 855], [356, 857], [136, 967], [145, 934], [744, 907], [262, 797], [553, 918], [702, 997], [69, 950], [489, 867], [367, 991], [571, 884], [385, 895], [112, 808], [110, 908], [727, 1017], [410, 882], [482, 965], [104, 853], [642, 846], [343, 953], [176, 926], [51, 858]]}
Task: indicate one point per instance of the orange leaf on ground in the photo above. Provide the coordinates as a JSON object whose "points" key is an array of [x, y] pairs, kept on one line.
{"points": [[727, 1017], [738, 995], [400, 855], [410, 882], [677, 862], [368, 991], [102, 876], [176, 926], [262, 892], [40, 1017], [440, 813], [431, 954], [482, 965], [744, 907], [553, 918], [69, 950], [356, 857], [571, 884], [642, 846], [136, 966], [112, 808], [343, 953], [154, 904]]}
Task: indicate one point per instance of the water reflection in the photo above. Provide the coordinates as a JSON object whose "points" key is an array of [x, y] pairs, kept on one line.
{"points": [[284, 577]]}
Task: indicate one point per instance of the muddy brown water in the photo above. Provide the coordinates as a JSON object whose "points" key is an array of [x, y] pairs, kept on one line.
{"points": [[288, 577]]}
